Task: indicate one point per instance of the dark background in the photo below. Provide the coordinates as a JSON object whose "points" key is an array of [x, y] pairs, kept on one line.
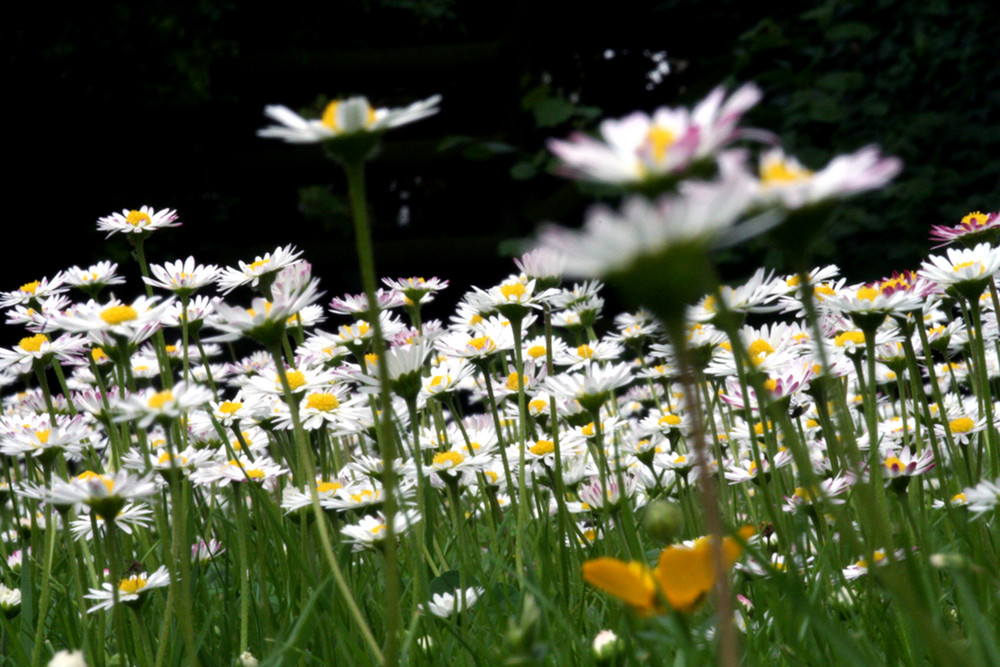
{"points": [[111, 106]]}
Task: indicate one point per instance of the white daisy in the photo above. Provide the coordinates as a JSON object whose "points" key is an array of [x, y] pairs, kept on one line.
{"points": [[342, 118], [141, 221]]}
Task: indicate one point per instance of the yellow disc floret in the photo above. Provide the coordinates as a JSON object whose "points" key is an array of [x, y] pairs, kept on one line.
{"points": [[119, 314]]}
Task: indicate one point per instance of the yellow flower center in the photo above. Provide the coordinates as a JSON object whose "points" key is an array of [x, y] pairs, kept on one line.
{"points": [[482, 343], [771, 385], [329, 118], [448, 459], [660, 139], [959, 498], [536, 351], [33, 343], [296, 379], [259, 264], [669, 420], [585, 351], [118, 314], [166, 456], [867, 294], [963, 265], [709, 304], [159, 399], [961, 425], [794, 281], [379, 529], [537, 405], [512, 291], [97, 354], [542, 447], [976, 219], [776, 171], [328, 487], [90, 474], [322, 401], [230, 407], [856, 337], [43, 436], [759, 349], [31, 287], [588, 430], [893, 464], [823, 290], [513, 382], [133, 584], [137, 218]]}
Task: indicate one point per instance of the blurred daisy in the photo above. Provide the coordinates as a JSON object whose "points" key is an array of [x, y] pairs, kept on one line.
{"points": [[783, 180], [140, 221], [94, 278], [342, 118], [641, 146], [370, 531], [444, 605], [610, 242]]}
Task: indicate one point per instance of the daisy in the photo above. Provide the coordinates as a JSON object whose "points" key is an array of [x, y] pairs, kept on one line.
{"points": [[262, 266], [976, 226], [150, 405], [783, 180], [94, 278], [293, 290], [262, 470], [135, 321], [39, 348], [34, 291], [611, 242], [181, 277], [104, 494], [357, 304], [130, 589], [965, 270], [416, 290], [370, 531], [142, 221], [444, 605], [342, 118], [642, 146]]}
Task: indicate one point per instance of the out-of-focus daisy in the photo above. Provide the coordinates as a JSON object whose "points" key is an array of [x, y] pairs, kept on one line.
{"points": [[542, 265], [182, 277], [262, 469], [983, 497], [591, 387], [141, 221], [444, 605], [130, 589], [342, 118], [131, 515], [641, 146], [611, 242], [785, 181]]}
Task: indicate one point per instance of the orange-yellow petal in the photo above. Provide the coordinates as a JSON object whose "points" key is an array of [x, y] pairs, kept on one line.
{"points": [[686, 574], [632, 582]]}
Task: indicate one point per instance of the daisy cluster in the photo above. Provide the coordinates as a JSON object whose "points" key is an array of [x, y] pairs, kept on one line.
{"points": [[171, 461]]}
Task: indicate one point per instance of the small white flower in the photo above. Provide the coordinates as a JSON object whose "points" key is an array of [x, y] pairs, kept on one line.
{"points": [[444, 605], [342, 118], [129, 589], [141, 221]]}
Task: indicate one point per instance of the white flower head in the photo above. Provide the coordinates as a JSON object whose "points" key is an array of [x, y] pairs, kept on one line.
{"points": [[342, 118]]}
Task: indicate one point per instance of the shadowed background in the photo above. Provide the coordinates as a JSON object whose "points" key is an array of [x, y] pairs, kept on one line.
{"points": [[111, 107]]}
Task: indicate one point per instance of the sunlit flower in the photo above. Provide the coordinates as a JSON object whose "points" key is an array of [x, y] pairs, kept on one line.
{"points": [[141, 221], [342, 118]]}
